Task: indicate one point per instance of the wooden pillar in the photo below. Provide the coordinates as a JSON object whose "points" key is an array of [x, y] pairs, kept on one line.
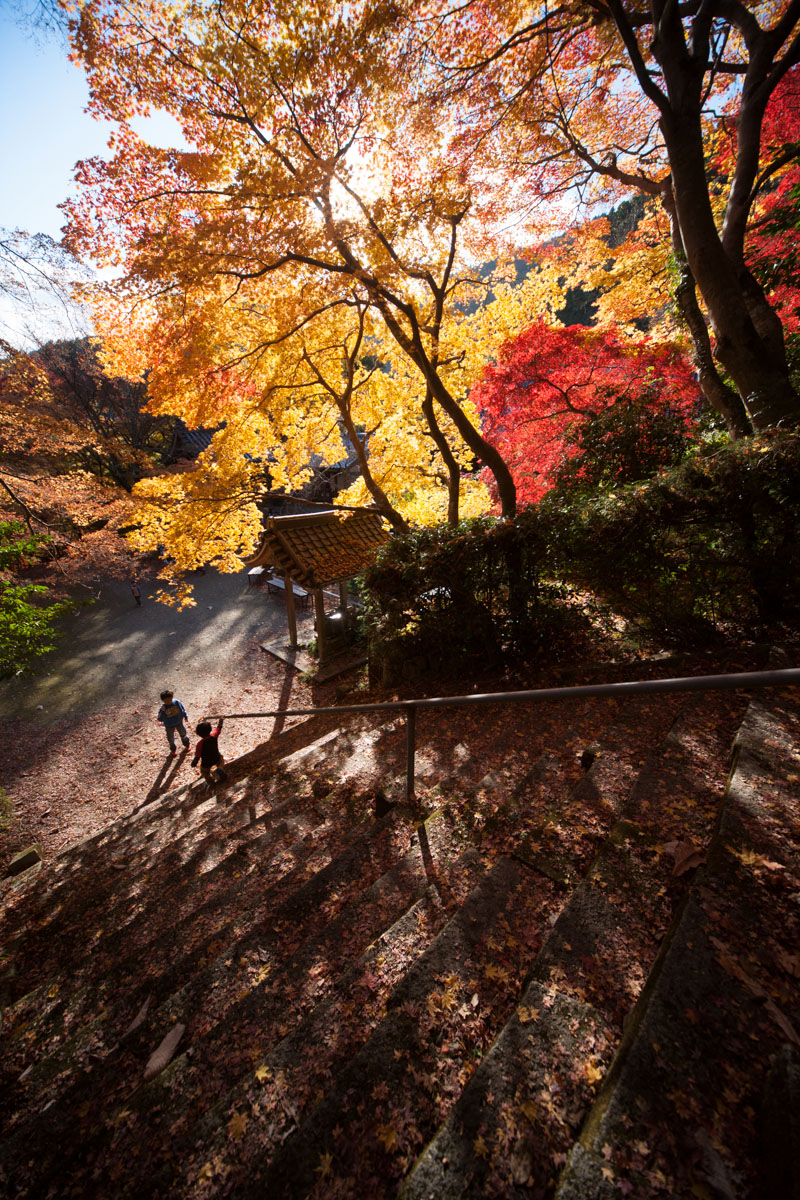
{"points": [[290, 611], [319, 610], [343, 602]]}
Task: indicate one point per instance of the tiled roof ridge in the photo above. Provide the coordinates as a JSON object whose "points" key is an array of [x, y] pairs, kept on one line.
{"points": [[316, 549]]}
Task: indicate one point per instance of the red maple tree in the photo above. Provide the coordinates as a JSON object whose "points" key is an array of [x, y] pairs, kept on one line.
{"points": [[550, 378]]}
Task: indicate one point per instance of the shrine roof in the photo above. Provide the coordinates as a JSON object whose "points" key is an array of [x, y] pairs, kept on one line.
{"points": [[318, 549]]}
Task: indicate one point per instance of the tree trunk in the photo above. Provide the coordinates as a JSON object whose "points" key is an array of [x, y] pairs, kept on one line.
{"points": [[453, 473], [723, 399], [751, 350], [395, 519], [506, 488], [483, 451]]}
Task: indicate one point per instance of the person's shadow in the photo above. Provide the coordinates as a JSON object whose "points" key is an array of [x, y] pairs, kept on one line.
{"points": [[164, 778]]}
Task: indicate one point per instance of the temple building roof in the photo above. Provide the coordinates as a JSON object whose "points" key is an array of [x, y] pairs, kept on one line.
{"points": [[318, 549]]}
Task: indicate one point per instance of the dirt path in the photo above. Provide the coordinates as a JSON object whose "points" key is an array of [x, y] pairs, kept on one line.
{"points": [[81, 745]]}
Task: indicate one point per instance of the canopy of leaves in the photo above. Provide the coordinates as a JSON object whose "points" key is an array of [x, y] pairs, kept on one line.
{"points": [[309, 226], [73, 440], [599, 101]]}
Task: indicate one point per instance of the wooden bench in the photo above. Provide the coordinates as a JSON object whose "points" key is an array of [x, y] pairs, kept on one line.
{"points": [[255, 575], [276, 584]]}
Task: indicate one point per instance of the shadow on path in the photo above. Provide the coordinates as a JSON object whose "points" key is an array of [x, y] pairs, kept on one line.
{"points": [[164, 779]]}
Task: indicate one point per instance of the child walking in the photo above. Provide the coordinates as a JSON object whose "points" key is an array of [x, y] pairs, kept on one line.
{"points": [[206, 752], [171, 715]]}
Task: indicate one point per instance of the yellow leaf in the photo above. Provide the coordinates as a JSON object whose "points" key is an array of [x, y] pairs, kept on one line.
{"points": [[325, 1164], [527, 1014], [388, 1135], [593, 1072], [480, 1147], [237, 1125], [262, 1074], [205, 1174], [498, 973]]}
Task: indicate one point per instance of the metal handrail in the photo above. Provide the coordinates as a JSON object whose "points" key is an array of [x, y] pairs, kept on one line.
{"points": [[693, 683]]}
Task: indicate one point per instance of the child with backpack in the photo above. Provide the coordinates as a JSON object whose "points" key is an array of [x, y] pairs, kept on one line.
{"points": [[172, 715]]}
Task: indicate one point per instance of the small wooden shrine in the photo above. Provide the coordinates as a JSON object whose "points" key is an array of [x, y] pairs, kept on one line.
{"points": [[313, 551]]}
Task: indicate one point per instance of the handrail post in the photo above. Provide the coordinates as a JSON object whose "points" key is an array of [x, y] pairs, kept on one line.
{"points": [[411, 749]]}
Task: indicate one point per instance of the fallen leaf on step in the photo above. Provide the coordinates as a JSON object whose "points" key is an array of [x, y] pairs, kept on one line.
{"points": [[139, 1018], [480, 1147], [325, 1164], [527, 1013], [161, 1057], [388, 1135], [687, 856], [237, 1125]]}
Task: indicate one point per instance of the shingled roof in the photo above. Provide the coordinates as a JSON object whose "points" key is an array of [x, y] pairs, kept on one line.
{"points": [[318, 549]]}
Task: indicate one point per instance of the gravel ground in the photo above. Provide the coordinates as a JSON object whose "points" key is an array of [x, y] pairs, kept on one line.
{"points": [[81, 742]]}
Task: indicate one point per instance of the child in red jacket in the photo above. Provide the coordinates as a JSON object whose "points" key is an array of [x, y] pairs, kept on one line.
{"points": [[207, 753]]}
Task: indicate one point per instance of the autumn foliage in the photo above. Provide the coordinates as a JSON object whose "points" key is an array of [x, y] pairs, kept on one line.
{"points": [[304, 270], [772, 247], [550, 379], [73, 441]]}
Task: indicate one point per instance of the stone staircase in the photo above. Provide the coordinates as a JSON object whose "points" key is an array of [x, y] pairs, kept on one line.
{"points": [[514, 989]]}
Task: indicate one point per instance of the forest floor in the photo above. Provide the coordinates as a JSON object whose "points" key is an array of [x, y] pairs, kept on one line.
{"points": [[82, 745]]}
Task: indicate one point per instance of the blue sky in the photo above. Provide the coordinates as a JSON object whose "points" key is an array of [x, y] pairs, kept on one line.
{"points": [[43, 128], [44, 131]]}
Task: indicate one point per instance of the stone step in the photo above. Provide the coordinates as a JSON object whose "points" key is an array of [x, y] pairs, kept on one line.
{"points": [[137, 836], [317, 1036], [305, 893], [560, 812], [253, 835], [148, 930], [517, 1118], [678, 1112], [226, 992], [364, 1133], [137, 893]]}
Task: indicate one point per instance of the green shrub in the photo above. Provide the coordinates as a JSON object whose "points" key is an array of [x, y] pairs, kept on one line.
{"points": [[710, 542], [705, 548], [625, 443], [27, 624], [450, 598]]}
